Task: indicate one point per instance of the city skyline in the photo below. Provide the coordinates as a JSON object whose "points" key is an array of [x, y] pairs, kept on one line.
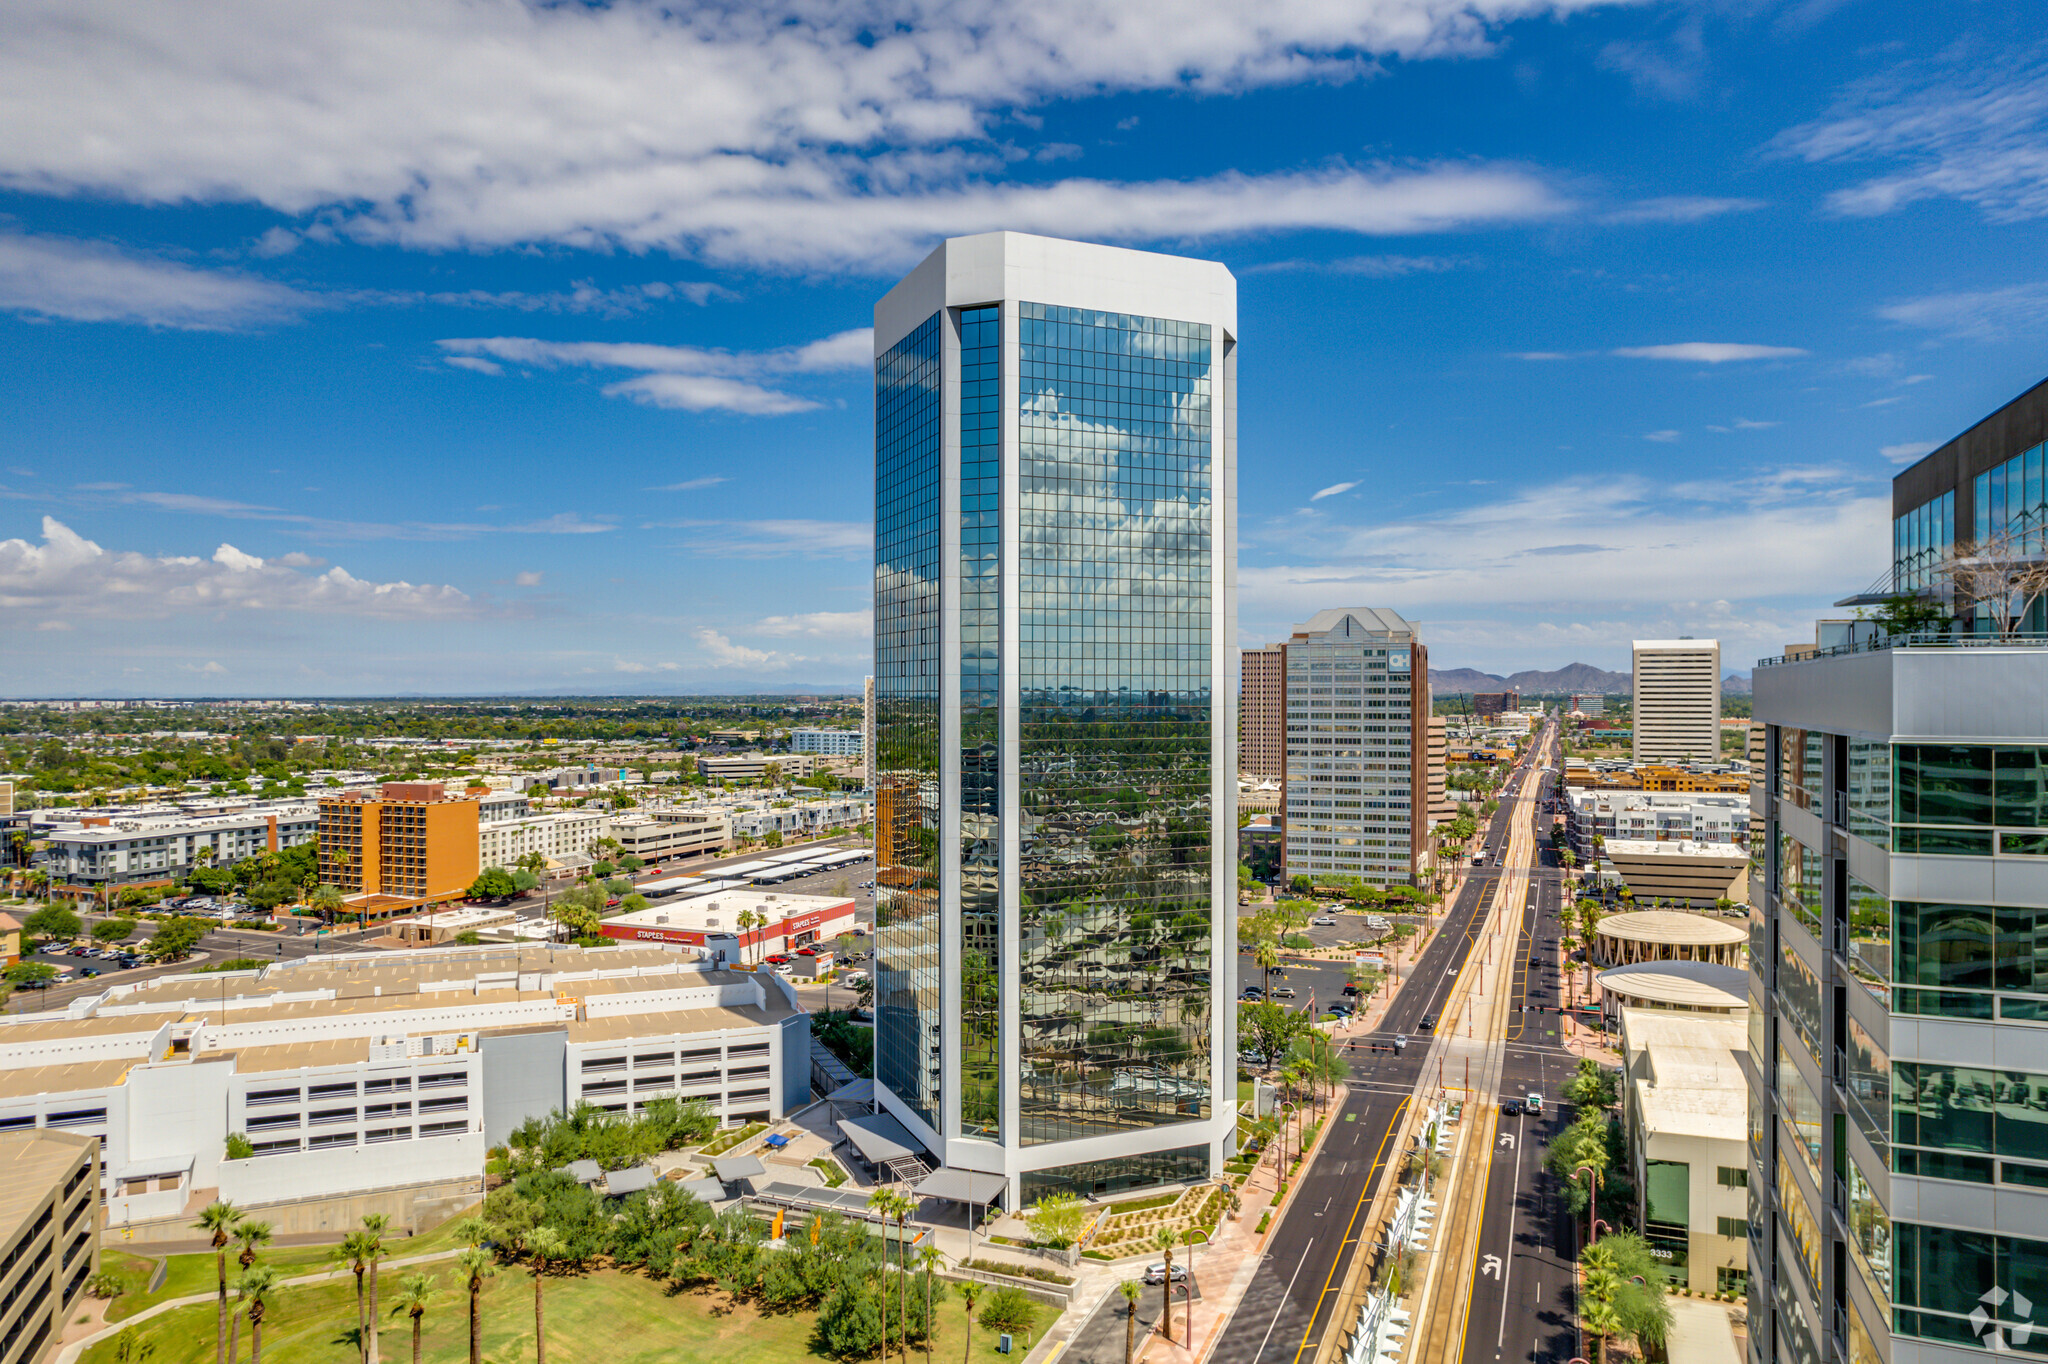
{"points": [[333, 409]]}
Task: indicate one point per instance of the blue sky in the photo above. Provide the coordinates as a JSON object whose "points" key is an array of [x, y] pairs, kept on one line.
{"points": [[467, 347]]}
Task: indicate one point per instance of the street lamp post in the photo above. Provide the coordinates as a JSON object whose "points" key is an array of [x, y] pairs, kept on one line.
{"points": [[1592, 1197]]}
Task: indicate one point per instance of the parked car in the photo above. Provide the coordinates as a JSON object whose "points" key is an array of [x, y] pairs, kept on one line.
{"points": [[1350, 989], [1343, 1010], [1324, 921], [807, 951], [1157, 1273], [1253, 993], [1283, 992], [779, 959]]}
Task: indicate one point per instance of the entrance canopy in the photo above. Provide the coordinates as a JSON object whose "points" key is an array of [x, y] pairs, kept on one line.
{"points": [[879, 1138], [962, 1186]]}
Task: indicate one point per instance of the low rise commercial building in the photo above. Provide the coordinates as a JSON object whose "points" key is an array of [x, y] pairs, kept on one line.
{"points": [[1698, 779], [1686, 1105], [754, 766], [664, 835], [1696, 875], [775, 923], [800, 817], [49, 1238], [376, 1082]]}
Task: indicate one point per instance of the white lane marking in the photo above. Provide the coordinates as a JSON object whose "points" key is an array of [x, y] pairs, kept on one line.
{"points": [[1285, 1294]]}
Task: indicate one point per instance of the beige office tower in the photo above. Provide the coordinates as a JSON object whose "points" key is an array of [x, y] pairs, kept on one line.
{"points": [[1677, 693], [1441, 806], [1357, 747], [1262, 712]]}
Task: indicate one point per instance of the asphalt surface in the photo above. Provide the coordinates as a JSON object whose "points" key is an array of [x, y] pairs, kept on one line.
{"points": [[1522, 1303], [1286, 1308]]}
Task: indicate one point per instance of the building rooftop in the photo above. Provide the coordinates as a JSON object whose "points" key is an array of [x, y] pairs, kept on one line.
{"points": [[1679, 984], [30, 1162], [29, 1081], [1674, 848], [1671, 926], [1686, 1077]]}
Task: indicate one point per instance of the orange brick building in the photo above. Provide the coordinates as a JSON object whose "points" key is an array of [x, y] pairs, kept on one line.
{"points": [[410, 844]]}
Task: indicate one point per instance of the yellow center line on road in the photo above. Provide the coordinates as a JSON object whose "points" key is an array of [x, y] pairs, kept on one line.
{"points": [[1364, 1195]]}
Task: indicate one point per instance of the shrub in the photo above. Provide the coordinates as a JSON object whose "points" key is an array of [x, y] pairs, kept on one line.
{"points": [[1009, 1309], [238, 1147]]}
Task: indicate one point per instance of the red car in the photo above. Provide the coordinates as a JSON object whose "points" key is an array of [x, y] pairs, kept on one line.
{"points": [[612, 903], [807, 951], [778, 959]]}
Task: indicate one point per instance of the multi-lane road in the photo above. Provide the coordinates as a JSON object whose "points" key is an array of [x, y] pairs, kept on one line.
{"points": [[1290, 1304], [1522, 1267]]}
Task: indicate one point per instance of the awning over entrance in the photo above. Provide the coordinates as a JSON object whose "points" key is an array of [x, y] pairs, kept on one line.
{"points": [[733, 1169], [962, 1186], [879, 1138]]}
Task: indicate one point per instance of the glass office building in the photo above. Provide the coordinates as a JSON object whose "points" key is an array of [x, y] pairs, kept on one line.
{"points": [[1898, 1051], [1056, 712]]}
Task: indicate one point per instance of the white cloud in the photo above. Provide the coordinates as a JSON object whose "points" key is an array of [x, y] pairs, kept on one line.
{"points": [[1332, 491], [809, 136], [1975, 315], [1370, 267], [820, 625], [720, 652], [632, 666], [1909, 451], [773, 539], [476, 363], [1678, 208], [213, 669], [691, 485], [93, 282], [1664, 436], [529, 578], [1745, 424], [1619, 554], [1974, 133], [691, 378], [71, 574], [1707, 352]]}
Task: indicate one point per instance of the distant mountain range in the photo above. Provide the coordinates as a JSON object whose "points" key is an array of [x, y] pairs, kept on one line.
{"points": [[1574, 679]]}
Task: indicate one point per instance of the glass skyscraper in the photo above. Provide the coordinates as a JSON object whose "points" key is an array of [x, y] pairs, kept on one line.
{"points": [[1055, 700]]}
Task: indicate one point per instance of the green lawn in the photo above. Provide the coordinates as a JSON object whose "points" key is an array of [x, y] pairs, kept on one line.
{"points": [[607, 1316], [189, 1274]]}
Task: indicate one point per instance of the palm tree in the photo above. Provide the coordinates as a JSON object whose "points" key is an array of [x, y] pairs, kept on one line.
{"points": [[1130, 1288], [328, 900], [1164, 1241], [218, 1219], [352, 1254], [1267, 955], [970, 1292], [416, 1293], [255, 1285], [889, 1204], [374, 1225], [1600, 1321], [929, 1259], [251, 1236], [543, 1244], [475, 1264]]}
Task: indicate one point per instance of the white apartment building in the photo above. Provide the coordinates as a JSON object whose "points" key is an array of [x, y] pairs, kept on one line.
{"points": [[563, 838], [1357, 759], [752, 766], [1652, 816], [1685, 1108], [384, 1071], [802, 817], [121, 849], [1677, 692], [837, 743]]}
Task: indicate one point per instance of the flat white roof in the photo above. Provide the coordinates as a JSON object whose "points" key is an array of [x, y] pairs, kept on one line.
{"points": [[1671, 926], [1688, 644], [722, 910]]}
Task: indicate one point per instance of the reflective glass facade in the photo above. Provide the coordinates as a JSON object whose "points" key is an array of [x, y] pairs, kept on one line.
{"points": [[1115, 583], [907, 729], [1921, 539], [981, 735]]}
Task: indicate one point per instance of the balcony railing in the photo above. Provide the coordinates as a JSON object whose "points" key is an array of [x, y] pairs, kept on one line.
{"points": [[1920, 639]]}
